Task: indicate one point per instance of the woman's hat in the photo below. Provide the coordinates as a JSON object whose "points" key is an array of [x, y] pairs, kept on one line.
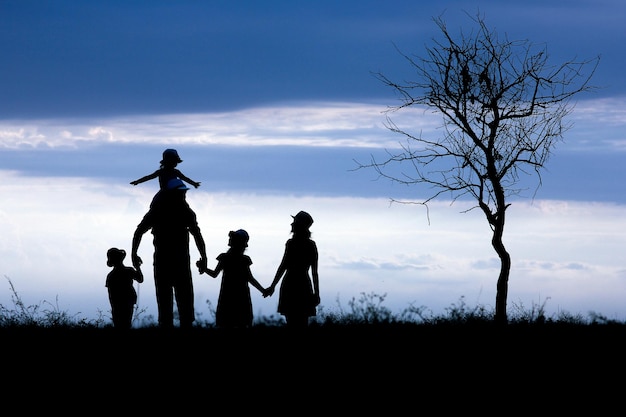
{"points": [[303, 218]]}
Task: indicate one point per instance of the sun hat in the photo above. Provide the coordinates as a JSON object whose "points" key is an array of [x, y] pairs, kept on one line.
{"points": [[171, 155], [240, 235], [115, 255], [303, 218]]}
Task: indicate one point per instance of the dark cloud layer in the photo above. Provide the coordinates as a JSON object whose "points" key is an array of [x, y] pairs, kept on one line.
{"points": [[302, 171], [68, 58]]}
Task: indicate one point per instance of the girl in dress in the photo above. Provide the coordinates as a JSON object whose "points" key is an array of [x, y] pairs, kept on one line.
{"points": [[234, 304]]}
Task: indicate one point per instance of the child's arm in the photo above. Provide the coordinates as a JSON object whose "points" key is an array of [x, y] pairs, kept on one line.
{"points": [[188, 180], [146, 178], [211, 272], [256, 284]]}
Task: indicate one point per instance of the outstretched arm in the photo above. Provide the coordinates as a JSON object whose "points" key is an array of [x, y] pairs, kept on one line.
{"points": [[256, 284], [211, 272], [188, 180], [146, 178], [279, 274]]}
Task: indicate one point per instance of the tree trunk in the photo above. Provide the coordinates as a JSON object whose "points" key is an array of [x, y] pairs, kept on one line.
{"points": [[503, 278]]}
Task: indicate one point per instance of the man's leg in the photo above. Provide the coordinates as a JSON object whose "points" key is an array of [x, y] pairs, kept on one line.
{"points": [[184, 300], [165, 300]]}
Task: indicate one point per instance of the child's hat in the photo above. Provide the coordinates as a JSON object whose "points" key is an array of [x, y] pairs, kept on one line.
{"points": [[240, 235], [303, 218], [115, 254], [171, 155]]}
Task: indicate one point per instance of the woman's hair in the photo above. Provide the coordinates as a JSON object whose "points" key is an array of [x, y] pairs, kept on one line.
{"points": [[302, 231]]}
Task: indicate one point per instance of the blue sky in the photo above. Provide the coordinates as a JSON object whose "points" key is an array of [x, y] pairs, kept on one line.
{"points": [[269, 104]]}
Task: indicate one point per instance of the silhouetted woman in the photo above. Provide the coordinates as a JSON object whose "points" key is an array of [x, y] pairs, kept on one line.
{"points": [[299, 293]]}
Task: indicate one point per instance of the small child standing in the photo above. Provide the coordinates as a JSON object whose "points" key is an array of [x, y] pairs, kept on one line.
{"points": [[167, 172], [122, 294], [234, 304]]}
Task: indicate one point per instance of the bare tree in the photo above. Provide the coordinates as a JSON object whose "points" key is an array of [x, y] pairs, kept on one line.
{"points": [[503, 108]]}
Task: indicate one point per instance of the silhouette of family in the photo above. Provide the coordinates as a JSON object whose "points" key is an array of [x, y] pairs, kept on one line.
{"points": [[172, 221]]}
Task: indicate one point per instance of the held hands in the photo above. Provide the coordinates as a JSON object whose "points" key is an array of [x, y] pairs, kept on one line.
{"points": [[202, 266], [139, 277], [203, 269], [136, 260], [268, 292]]}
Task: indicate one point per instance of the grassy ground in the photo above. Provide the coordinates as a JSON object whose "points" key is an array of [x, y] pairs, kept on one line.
{"points": [[363, 360], [355, 368]]}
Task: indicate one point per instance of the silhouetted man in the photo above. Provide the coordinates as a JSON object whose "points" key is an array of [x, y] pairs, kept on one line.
{"points": [[172, 221]]}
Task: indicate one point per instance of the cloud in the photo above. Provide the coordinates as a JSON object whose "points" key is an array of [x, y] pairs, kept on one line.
{"points": [[599, 124]]}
